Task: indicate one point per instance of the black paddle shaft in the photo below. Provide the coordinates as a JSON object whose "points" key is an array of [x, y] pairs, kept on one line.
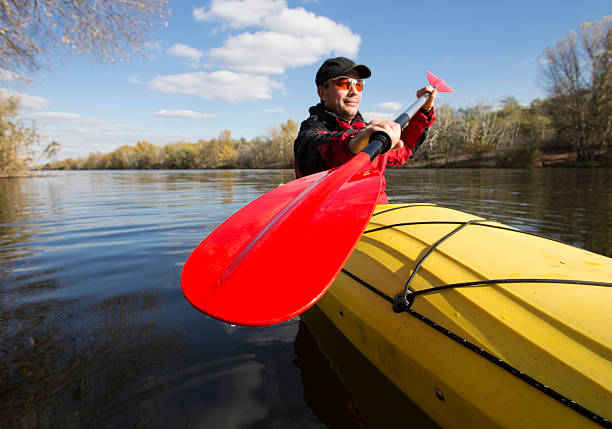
{"points": [[380, 142]]}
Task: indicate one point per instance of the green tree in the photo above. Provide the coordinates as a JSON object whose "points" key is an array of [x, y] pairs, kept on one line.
{"points": [[536, 127]]}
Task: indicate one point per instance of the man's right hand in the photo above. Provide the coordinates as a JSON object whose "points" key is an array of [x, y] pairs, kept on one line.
{"points": [[362, 138]]}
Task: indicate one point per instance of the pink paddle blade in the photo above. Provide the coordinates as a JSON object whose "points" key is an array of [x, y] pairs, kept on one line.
{"points": [[438, 83]]}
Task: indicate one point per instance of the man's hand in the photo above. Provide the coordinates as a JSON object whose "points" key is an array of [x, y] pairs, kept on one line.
{"points": [[432, 95], [362, 138]]}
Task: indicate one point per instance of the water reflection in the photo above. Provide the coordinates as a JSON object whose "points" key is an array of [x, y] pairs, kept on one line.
{"points": [[222, 393], [342, 387], [571, 205], [65, 363]]}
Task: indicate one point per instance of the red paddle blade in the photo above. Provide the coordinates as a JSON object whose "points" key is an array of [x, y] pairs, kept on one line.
{"points": [[278, 255], [438, 83]]}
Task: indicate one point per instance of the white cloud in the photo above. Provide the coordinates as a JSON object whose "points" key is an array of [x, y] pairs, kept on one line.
{"points": [[285, 38], [74, 122], [282, 38], [135, 79], [80, 141], [27, 102], [54, 117], [78, 134], [267, 52], [9, 76], [184, 114], [368, 116], [528, 62], [223, 85], [301, 22], [81, 135], [543, 61], [238, 14], [192, 54], [112, 127], [392, 106], [153, 48]]}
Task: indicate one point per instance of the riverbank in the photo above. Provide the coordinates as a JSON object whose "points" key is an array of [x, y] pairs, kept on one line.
{"points": [[495, 160], [492, 159]]}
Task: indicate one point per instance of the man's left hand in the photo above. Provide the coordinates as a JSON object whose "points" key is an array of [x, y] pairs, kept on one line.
{"points": [[432, 95]]}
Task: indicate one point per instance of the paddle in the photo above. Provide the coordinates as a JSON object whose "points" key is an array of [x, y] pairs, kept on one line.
{"points": [[274, 258]]}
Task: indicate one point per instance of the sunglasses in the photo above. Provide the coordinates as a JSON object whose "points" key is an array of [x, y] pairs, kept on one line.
{"points": [[346, 82]]}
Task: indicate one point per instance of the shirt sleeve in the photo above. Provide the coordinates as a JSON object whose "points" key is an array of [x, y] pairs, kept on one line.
{"points": [[413, 135], [318, 148]]}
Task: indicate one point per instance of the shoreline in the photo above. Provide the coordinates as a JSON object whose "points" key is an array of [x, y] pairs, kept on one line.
{"points": [[464, 160], [491, 160]]}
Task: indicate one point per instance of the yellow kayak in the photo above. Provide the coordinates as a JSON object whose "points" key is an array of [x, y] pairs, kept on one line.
{"points": [[479, 324]]}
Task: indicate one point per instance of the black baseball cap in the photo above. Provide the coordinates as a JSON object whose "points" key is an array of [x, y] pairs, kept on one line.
{"points": [[339, 66]]}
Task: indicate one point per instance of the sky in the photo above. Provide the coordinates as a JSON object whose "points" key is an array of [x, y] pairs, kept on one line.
{"points": [[249, 65]]}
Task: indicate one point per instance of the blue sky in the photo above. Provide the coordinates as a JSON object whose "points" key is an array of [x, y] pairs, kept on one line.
{"points": [[248, 65]]}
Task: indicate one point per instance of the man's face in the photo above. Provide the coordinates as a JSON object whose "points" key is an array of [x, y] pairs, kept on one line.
{"points": [[344, 102]]}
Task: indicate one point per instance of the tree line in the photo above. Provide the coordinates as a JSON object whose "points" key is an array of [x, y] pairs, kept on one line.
{"points": [[515, 135], [274, 150], [576, 116]]}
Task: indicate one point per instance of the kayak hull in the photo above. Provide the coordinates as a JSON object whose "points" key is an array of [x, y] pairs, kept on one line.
{"points": [[487, 355]]}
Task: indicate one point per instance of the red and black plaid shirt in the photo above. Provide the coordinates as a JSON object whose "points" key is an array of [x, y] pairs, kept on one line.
{"points": [[322, 142]]}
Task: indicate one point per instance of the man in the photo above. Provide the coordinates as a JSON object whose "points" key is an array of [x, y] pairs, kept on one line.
{"points": [[336, 131]]}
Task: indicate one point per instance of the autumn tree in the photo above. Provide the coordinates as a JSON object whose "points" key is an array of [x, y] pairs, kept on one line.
{"points": [[206, 154], [180, 155], [124, 158], [226, 148], [31, 31], [150, 156], [277, 150], [18, 141]]}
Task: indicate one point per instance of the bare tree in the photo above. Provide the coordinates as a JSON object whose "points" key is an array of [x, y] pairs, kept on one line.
{"points": [[33, 30], [442, 137], [278, 149], [597, 41], [577, 74]]}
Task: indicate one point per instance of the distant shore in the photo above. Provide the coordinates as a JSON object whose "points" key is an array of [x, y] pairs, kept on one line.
{"points": [[461, 160], [490, 160]]}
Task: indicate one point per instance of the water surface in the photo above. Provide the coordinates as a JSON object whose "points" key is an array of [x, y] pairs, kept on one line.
{"points": [[95, 332]]}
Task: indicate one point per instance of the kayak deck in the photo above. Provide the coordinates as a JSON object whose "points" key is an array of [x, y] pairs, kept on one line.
{"points": [[525, 345]]}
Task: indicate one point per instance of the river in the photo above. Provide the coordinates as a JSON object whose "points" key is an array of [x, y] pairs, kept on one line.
{"points": [[95, 332]]}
